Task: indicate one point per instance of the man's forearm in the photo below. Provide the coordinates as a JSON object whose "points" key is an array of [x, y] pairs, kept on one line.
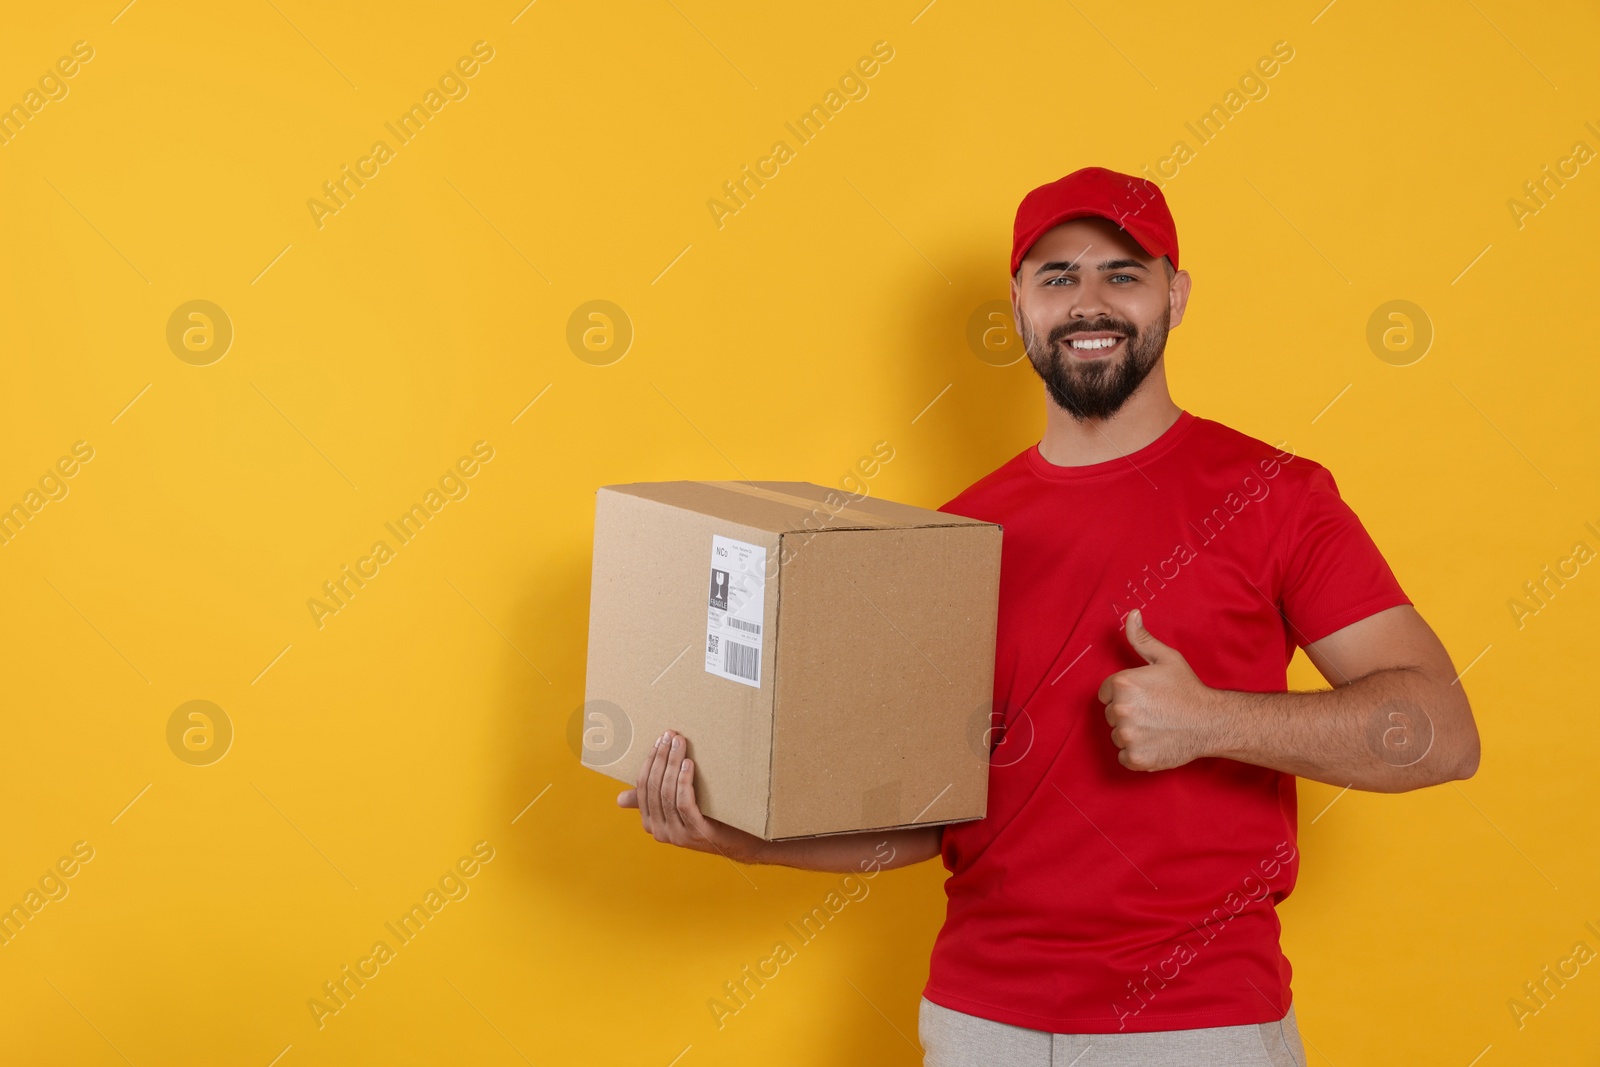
{"points": [[869, 850], [1389, 731]]}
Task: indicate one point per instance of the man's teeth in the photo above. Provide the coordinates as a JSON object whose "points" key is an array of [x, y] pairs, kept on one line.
{"points": [[1099, 342]]}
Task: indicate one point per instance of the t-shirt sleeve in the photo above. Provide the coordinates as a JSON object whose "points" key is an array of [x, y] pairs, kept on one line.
{"points": [[1334, 574]]}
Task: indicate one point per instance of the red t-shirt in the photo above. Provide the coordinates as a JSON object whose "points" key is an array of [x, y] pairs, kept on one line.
{"points": [[1096, 899]]}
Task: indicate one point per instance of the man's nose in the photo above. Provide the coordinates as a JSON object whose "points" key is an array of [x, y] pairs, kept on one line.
{"points": [[1088, 306]]}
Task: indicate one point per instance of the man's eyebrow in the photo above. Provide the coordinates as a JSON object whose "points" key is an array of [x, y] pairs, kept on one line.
{"points": [[1109, 264]]}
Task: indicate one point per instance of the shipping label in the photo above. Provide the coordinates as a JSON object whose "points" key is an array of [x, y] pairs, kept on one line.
{"points": [[735, 610]]}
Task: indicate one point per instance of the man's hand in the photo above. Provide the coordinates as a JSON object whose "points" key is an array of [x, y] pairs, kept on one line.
{"points": [[664, 795], [1161, 715]]}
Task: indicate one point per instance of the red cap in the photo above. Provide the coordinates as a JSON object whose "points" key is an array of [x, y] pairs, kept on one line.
{"points": [[1135, 204]]}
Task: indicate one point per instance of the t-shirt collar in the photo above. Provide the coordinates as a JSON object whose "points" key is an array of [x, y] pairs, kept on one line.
{"points": [[1128, 463]]}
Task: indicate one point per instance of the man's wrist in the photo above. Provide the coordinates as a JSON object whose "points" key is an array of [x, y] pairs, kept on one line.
{"points": [[1223, 737]]}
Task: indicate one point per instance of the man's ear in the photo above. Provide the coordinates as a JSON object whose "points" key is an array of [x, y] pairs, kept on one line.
{"points": [[1178, 297]]}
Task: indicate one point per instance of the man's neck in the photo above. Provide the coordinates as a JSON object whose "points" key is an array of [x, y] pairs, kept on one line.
{"points": [[1147, 414]]}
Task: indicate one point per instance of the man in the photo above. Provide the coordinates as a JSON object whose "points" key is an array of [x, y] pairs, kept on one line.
{"points": [[1158, 569]]}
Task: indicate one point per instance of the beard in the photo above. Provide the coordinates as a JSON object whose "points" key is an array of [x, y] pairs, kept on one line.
{"points": [[1095, 388]]}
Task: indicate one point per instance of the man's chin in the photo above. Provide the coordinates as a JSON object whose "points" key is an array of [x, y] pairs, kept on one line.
{"points": [[1081, 370], [1079, 388]]}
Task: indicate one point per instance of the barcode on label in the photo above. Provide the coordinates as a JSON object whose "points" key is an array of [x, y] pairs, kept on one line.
{"points": [[741, 660], [747, 627]]}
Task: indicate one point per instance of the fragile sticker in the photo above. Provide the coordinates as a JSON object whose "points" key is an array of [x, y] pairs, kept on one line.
{"points": [[735, 610]]}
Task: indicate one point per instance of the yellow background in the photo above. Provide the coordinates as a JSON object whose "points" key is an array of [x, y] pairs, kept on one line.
{"points": [[829, 313]]}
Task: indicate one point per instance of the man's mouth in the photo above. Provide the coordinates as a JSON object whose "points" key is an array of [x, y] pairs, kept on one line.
{"points": [[1093, 345]]}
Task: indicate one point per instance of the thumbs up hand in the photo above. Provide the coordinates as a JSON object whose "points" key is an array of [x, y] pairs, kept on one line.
{"points": [[1161, 714]]}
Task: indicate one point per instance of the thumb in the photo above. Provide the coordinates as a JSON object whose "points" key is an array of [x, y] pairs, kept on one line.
{"points": [[1144, 642], [628, 798]]}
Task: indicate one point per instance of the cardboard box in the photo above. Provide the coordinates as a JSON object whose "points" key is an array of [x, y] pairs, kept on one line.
{"points": [[830, 658]]}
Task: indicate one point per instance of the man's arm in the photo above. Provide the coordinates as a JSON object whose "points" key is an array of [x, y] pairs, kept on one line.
{"points": [[669, 811], [1396, 718], [874, 849]]}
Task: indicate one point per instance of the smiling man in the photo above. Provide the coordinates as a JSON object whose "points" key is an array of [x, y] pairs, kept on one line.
{"points": [[1158, 570]]}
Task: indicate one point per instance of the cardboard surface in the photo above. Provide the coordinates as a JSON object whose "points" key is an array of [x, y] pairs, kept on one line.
{"points": [[863, 701]]}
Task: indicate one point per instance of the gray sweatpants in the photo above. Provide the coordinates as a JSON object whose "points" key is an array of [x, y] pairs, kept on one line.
{"points": [[955, 1039]]}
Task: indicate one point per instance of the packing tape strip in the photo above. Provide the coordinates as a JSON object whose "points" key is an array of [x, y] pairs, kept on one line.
{"points": [[821, 507]]}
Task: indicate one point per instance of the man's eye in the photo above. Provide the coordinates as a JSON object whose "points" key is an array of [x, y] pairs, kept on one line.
{"points": [[1130, 277], [1059, 278]]}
